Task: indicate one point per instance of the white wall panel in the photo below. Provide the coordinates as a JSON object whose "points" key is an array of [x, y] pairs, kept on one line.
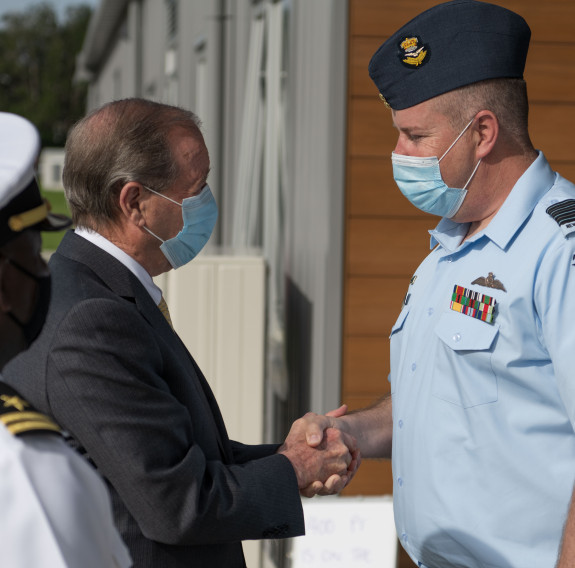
{"points": [[217, 305]]}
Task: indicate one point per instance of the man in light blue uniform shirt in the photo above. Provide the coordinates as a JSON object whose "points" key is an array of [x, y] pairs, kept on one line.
{"points": [[482, 374], [484, 450]]}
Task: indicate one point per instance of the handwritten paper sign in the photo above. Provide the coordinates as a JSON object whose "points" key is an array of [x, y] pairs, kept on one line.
{"points": [[356, 532]]}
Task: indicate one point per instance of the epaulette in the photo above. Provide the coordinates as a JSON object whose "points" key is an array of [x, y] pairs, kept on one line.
{"points": [[564, 213], [20, 417]]}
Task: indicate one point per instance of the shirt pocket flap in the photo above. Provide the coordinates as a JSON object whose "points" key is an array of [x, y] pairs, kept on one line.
{"points": [[464, 333], [400, 321]]}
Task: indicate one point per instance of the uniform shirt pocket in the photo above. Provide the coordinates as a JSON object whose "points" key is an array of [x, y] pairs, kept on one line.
{"points": [[463, 373]]}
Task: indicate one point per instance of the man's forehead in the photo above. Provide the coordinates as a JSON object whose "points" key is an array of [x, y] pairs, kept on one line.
{"points": [[419, 116]]}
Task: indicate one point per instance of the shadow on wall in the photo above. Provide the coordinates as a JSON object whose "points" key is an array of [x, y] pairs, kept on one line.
{"points": [[296, 403], [299, 327], [298, 360]]}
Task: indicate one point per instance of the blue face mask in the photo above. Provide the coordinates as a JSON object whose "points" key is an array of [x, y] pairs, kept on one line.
{"points": [[200, 214], [419, 179]]}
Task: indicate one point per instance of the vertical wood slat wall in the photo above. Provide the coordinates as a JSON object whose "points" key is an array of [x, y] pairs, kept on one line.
{"points": [[386, 237]]}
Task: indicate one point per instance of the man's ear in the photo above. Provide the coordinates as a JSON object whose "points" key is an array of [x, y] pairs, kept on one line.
{"points": [[131, 198], [487, 132]]}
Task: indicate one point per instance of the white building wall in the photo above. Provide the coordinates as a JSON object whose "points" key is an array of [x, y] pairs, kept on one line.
{"points": [[114, 76], [50, 166], [153, 49]]}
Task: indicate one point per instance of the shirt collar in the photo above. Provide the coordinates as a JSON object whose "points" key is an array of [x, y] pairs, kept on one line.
{"points": [[535, 182], [131, 264]]}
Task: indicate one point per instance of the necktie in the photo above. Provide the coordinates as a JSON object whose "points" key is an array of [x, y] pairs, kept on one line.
{"points": [[164, 309]]}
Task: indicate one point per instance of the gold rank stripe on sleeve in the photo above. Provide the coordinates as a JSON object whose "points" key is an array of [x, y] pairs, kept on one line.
{"points": [[24, 422]]}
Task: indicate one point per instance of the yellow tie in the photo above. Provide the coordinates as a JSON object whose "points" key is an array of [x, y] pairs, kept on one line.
{"points": [[164, 309]]}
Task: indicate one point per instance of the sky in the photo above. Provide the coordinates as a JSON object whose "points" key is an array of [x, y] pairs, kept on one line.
{"points": [[59, 5]]}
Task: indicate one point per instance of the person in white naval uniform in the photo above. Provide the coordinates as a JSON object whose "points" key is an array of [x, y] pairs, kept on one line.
{"points": [[56, 509]]}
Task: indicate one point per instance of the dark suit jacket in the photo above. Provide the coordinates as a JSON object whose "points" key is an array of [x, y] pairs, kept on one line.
{"points": [[109, 368]]}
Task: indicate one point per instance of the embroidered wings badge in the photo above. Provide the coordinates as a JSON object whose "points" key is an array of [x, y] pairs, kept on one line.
{"points": [[490, 282]]}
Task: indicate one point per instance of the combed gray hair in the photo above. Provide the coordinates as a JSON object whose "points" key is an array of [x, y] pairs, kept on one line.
{"points": [[122, 141], [506, 98]]}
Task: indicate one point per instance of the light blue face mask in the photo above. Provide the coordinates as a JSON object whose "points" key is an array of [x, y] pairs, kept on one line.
{"points": [[419, 179], [200, 214]]}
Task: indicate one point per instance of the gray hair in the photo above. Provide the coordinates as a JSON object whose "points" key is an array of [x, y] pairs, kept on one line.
{"points": [[122, 141], [506, 98]]}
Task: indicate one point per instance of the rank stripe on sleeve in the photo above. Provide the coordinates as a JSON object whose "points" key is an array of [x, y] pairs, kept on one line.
{"points": [[564, 214]]}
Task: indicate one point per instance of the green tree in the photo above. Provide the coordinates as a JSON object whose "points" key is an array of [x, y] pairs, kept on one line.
{"points": [[37, 61]]}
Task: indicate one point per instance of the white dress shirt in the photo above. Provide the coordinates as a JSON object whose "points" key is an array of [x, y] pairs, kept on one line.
{"points": [[132, 265]]}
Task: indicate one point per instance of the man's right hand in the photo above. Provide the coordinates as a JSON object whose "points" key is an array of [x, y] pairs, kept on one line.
{"points": [[325, 462], [316, 425], [371, 428]]}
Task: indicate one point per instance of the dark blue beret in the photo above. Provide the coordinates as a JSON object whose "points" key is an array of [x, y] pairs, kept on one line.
{"points": [[449, 46]]}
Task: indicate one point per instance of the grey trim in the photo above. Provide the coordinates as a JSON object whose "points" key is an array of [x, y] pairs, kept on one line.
{"points": [[318, 115], [103, 25]]}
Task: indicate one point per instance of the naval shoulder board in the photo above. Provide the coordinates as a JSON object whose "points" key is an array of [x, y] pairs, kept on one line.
{"points": [[20, 417]]}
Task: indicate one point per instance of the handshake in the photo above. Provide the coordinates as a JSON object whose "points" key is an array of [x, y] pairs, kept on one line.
{"points": [[324, 456]]}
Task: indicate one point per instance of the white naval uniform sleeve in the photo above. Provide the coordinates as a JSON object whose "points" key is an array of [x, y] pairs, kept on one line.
{"points": [[55, 508]]}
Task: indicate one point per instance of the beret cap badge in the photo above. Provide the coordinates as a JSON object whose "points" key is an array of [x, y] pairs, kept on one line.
{"points": [[387, 105], [413, 52]]}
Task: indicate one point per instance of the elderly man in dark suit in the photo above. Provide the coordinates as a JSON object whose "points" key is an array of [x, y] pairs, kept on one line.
{"points": [[112, 371]]}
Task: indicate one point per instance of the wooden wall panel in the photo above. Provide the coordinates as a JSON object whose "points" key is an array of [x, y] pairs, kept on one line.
{"points": [[372, 305], [366, 366], [387, 247], [566, 169], [552, 127], [373, 478], [550, 72], [381, 18], [372, 191], [361, 51], [549, 20], [370, 129]]}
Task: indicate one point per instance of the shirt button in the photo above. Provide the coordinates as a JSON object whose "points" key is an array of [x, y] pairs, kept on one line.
{"points": [[430, 312], [400, 423], [413, 366], [457, 337], [400, 481], [404, 537], [449, 259]]}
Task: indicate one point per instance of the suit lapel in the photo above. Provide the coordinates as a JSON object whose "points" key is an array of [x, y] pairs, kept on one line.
{"points": [[124, 283], [155, 317]]}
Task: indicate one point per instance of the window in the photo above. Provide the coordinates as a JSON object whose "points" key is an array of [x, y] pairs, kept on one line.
{"points": [[171, 84], [171, 19], [56, 175]]}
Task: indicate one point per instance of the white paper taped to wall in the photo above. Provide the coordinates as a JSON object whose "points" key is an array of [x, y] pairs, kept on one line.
{"points": [[356, 532]]}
